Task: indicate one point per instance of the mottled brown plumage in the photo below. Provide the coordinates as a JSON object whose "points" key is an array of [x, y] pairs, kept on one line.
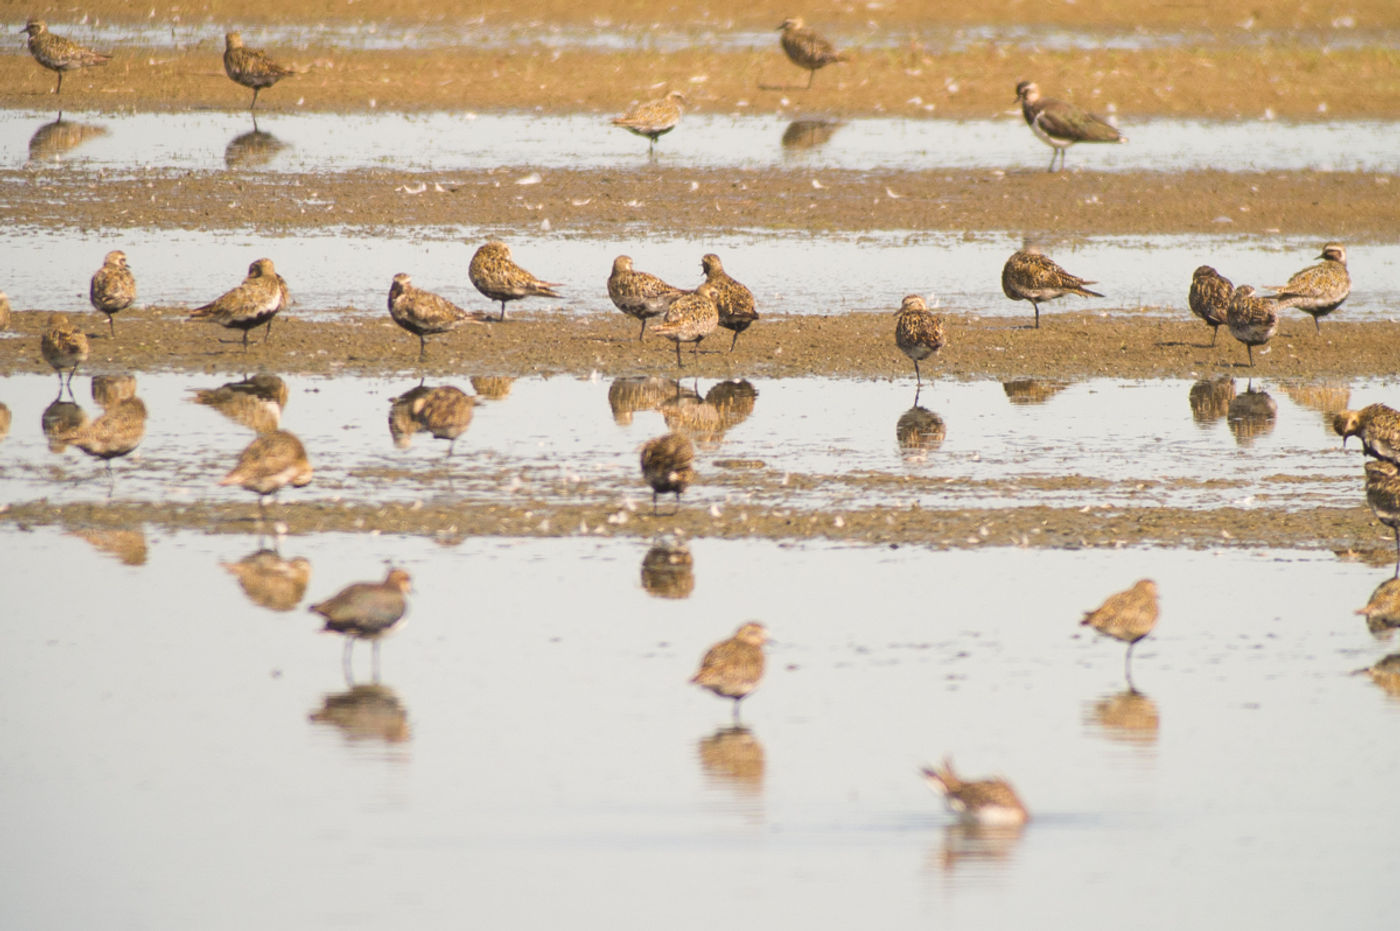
{"points": [[253, 303], [1382, 611], [1378, 427], [500, 279], [270, 581], [61, 421], [1252, 320], [423, 313], [1251, 415], [445, 412], [63, 346], [805, 49], [116, 433], [4, 311], [734, 302], [256, 403], [113, 287], [1318, 289], [639, 295], [985, 802], [1059, 124], [1030, 276], [251, 67], [59, 54], [1383, 495], [918, 332], [732, 668], [1210, 398], [270, 463], [689, 319], [653, 119], [1209, 298], [668, 570], [366, 611], [1127, 616], [668, 465]]}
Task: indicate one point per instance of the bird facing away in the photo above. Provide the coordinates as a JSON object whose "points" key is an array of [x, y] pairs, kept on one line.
{"points": [[423, 312], [1127, 616], [690, 318], [1383, 495], [257, 403], [733, 301], [251, 67], [1252, 320], [732, 668], [1030, 276], [982, 802], [113, 287], [1059, 124], [1209, 298], [271, 462], [365, 611], [445, 412], [917, 332], [639, 294], [653, 119], [1377, 425], [1318, 289], [500, 279], [668, 465], [254, 302], [805, 49], [59, 54], [64, 346]]}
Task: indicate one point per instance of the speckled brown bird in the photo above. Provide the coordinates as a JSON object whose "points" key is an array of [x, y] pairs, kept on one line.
{"points": [[445, 412], [1252, 320], [253, 303], [1382, 611], [116, 433], [500, 279], [653, 119], [689, 319], [1386, 674], [1318, 289], [251, 67], [1378, 428], [1127, 616], [270, 463], [423, 313], [1029, 276], [59, 54], [918, 332], [4, 311], [1383, 495], [984, 802], [734, 302], [1059, 124], [639, 295], [1209, 298], [805, 49], [113, 287], [256, 403], [366, 611], [270, 581], [668, 465], [732, 668], [63, 346]]}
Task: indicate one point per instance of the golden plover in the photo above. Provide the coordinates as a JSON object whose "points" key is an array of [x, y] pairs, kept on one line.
{"points": [[1059, 124], [251, 67], [113, 287], [423, 313], [1377, 425], [639, 295], [250, 305], [59, 54], [1127, 616], [668, 465], [733, 667], [918, 332], [733, 301], [805, 49], [653, 119], [365, 611], [270, 463], [1029, 276], [1252, 320], [63, 346], [1383, 495], [689, 319], [500, 279], [1209, 298], [1318, 289], [984, 802]]}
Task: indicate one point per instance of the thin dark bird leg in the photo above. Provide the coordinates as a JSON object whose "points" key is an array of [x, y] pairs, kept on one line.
{"points": [[679, 363], [111, 327], [1250, 349], [736, 709], [59, 88], [422, 348], [245, 340], [1214, 334], [1036, 305], [734, 341], [918, 379], [810, 74], [267, 334], [503, 312], [1317, 326], [653, 502], [644, 330], [254, 104]]}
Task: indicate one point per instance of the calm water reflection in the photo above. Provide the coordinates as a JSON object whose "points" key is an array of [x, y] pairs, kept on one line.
{"points": [[270, 581]]}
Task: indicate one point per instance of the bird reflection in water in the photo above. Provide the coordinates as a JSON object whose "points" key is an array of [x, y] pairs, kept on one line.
{"points": [[5, 418], [706, 420], [668, 570], [1382, 612], [61, 422], [1031, 390], [269, 580], [121, 426], [1210, 399], [919, 431], [734, 399], [733, 757], [634, 393], [809, 134], [129, 546], [256, 403], [982, 845], [365, 712], [253, 149], [1251, 415], [1386, 674], [52, 141], [1327, 398], [444, 411], [492, 387], [1128, 716]]}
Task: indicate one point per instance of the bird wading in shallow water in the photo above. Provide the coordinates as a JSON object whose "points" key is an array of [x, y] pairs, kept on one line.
{"points": [[1059, 124], [251, 67], [732, 668], [981, 802], [63, 346], [1378, 427], [1318, 289], [1127, 616], [653, 119], [500, 279], [365, 611]]}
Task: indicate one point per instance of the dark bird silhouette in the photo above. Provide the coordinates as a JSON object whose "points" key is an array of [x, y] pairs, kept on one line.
{"points": [[1059, 124]]}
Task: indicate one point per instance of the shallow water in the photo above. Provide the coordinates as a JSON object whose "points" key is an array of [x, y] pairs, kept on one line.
{"points": [[129, 144], [534, 755], [810, 443], [331, 269]]}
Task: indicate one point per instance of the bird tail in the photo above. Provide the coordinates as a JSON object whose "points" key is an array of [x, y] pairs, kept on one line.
{"points": [[1085, 292], [201, 313]]}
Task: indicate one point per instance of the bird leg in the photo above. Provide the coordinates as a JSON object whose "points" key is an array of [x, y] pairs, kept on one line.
{"points": [[422, 348], [918, 379], [111, 327], [679, 363], [1214, 334], [644, 330], [1250, 349], [734, 341], [254, 104], [1036, 305], [503, 312], [267, 334]]}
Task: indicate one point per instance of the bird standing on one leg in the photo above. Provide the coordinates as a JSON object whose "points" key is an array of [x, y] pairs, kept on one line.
{"points": [[639, 295], [653, 119], [805, 49], [1127, 616], [251, 67], [495, 275], [732, 668], [1209, 298], [59, 54], [734, 302], [918, 333], [1252, 320], [1318, 289], [423, 312], [113, 287], [1030, 276]]}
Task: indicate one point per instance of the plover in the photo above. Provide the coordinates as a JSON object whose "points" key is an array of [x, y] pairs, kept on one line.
{"points": [[1252, 320], [250, 305], [500, 279], [689, 319], [257, 402], [1127, 616], [1318, 289], [639, 295], [59, 54], [733, 301], [423, 313], [1209, 298], [270, 581], [1059, 124], [365, 611], [653, 119], [1383, 495], [1378, 427], [805, 49], [668, 465], [1029, 276], [270, 463], [113, 287], [251, 67], [983, 802], [63, 346], [732, 668], [918, 332]]}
